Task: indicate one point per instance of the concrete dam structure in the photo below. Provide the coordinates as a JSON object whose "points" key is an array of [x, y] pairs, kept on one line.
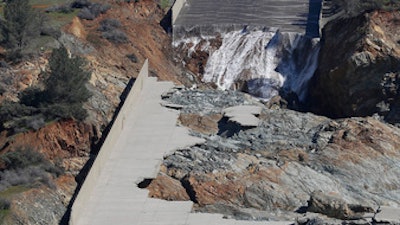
{"points": [[142, 134], [208, 17], [145, 131]]}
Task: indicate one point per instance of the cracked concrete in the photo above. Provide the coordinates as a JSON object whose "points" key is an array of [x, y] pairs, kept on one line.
{"points": [[149, 133]]}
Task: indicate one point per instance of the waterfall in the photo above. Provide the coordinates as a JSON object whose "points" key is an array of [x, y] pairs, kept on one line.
{"points": [[298, 64], [265, 61]]}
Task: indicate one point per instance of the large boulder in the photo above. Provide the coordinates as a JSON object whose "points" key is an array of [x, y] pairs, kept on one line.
{"points": [[334, 206], [359, 64]]}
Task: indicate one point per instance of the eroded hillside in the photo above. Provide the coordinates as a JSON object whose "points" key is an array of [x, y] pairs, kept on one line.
{"points": [[68, 144]]}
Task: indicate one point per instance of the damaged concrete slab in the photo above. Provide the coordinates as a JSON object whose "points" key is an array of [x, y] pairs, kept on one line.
{"points": [[245, 115], [149, 133], [388, 215]]}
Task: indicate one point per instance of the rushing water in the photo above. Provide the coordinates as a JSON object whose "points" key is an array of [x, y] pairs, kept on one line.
{"points": [[267, 62]]}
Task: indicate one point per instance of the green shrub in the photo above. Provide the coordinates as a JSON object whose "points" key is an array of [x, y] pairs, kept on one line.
{"points": [[115, 36], [81, 4], [93, 10], [132, 57], [65, 88], [62, 97], [10, 110], [110, 31], [26, 167], [109, 24], [32, 96], [4, 204], [22, 158], [67, 79], [65, 111], [17, 117], [86, 14], [21, 24], [2, 89], [65, 8]]}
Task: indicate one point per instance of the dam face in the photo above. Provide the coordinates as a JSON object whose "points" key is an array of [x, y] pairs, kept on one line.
{"points": [[208, 17]]}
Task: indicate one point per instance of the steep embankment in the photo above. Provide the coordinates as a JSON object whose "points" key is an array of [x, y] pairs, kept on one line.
{"points": [[67, 144], [359, 67]]}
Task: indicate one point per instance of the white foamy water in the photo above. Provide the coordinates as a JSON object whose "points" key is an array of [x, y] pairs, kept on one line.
{"points": [[267, 61], [299, 63], [243, 56]]}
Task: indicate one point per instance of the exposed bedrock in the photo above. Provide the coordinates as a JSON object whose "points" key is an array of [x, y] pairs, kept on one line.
{"points": [[290, 162], [358, 70]]}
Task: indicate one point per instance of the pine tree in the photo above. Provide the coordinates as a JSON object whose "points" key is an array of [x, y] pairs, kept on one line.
{"points": [[65, 88]]}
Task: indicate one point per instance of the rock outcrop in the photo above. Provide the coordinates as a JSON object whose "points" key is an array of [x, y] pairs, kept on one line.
{"points": [[358, 72], [33, 206], [291, 163], [336, 207]]}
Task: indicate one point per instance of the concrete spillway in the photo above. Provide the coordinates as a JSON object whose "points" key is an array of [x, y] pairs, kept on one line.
{"points": [[145, 131], [142, 134], [210, 16]]}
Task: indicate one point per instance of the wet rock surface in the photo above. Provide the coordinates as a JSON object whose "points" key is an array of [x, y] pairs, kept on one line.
{"points": [[292, 165]]}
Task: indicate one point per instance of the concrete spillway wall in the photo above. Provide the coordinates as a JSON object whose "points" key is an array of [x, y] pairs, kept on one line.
{"points": [[209, 17], [78, 208], [330, 10], [176, 9]]}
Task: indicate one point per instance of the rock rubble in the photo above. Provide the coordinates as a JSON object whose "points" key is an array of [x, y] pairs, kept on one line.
{"points": [[290, 166]]}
